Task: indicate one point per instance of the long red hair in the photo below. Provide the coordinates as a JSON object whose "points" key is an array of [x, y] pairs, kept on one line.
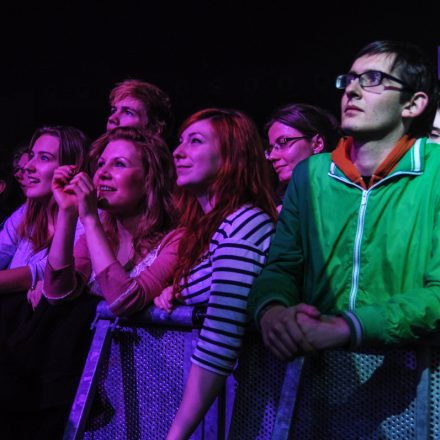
{"points": [[243, 178]]}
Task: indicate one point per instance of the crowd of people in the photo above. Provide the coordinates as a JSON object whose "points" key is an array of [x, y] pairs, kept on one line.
{"points": [[324, 233]]}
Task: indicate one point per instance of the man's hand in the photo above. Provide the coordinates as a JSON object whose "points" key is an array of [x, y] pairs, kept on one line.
{"points": [[281, 333], [325, 331]]}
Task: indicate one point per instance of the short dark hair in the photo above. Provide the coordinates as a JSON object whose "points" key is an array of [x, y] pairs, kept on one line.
{"points": [[156, 102], [416, 70], [309, 120]]}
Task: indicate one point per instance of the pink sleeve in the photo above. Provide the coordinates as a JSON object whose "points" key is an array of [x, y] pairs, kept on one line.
{"points": [[69, 281], [126, 295]]}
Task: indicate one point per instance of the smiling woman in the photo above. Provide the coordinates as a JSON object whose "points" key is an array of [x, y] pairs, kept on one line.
{"points": [[40, 354], [127, 255], [28, 232]]}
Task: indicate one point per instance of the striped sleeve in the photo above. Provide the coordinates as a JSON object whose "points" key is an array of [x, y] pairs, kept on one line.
{"points": [[236, 262]]}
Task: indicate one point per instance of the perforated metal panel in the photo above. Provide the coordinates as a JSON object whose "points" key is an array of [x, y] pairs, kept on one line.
{"points": [[435, 395], [141, 385], [358, 396], [257, 386]]}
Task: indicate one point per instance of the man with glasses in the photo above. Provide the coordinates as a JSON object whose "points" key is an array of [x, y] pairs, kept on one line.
{"points": [[356, 257]]}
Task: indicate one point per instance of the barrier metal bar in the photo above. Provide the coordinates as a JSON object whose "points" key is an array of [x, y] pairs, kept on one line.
{"points": [[289, 394], [423, 394], [183, 316], [180, 316], [86, 390]]}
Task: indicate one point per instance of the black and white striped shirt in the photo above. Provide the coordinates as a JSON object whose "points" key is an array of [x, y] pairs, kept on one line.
{"points": [[222, 280]]}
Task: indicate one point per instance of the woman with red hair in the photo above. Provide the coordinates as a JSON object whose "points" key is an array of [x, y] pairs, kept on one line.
{"points": [[227, 214]]}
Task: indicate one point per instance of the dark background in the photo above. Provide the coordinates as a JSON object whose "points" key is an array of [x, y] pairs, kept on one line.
{"points": [[60, 61]]}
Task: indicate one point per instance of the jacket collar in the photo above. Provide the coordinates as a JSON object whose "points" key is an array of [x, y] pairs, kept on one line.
{"points": [[406, 157]]}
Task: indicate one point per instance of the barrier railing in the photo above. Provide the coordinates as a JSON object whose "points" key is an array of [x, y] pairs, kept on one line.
{"points": [[138, 368], [374, 394]]}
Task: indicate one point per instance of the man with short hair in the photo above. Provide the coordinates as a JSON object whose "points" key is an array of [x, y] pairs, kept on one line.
{"points": [[139, 104], [356, 256]]}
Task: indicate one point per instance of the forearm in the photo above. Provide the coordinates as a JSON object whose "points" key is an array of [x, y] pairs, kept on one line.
{"points": [[126, 295], [61, 249], [201, 389], [101, 253], [15, 280]]}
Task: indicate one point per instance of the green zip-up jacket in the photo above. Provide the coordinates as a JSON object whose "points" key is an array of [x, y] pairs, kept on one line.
{"points": [[372, 255]]}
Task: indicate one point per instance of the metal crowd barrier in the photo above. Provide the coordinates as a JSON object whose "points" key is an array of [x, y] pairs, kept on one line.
{"points": [[136, 369], [376, 394], [135, 373]]}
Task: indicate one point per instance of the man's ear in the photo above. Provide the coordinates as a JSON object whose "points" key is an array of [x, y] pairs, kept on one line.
{"points": [[318, 143], [2, 186], [415, 106]]}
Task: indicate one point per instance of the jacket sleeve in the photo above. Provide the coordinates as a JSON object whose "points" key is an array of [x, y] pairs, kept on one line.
{"points": [[281, 278]]}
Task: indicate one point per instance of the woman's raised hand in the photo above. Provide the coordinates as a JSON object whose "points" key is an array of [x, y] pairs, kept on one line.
{"points": [[63, 194], [85, 192]]}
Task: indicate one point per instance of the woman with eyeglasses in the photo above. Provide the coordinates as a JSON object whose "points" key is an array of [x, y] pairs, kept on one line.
{"points": [[227, 215], [296, 132]]}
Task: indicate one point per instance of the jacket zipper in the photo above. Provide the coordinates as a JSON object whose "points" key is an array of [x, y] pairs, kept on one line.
{"points": [[360, 230], [357, 251]]}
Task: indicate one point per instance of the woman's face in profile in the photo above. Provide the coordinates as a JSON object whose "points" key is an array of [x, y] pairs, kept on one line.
{"points": [[44, 158], [288, 147], [197, 157]]}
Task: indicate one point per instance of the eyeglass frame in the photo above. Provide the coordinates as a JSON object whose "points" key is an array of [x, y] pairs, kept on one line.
{"points": [[287, 142], [382, 76]]}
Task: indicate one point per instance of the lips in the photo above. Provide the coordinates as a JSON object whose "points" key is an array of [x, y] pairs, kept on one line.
{"points": [[32, 180], [182, 167], [352, 108]]}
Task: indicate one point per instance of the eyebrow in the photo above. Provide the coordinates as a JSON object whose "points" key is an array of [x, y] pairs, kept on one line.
{"points": [[116, 158], [43, 152], [127, 107], [196, 132]]}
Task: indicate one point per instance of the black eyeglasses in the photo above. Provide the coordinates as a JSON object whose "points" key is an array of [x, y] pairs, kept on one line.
{"points": [[282, 143], [371, 78]]}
